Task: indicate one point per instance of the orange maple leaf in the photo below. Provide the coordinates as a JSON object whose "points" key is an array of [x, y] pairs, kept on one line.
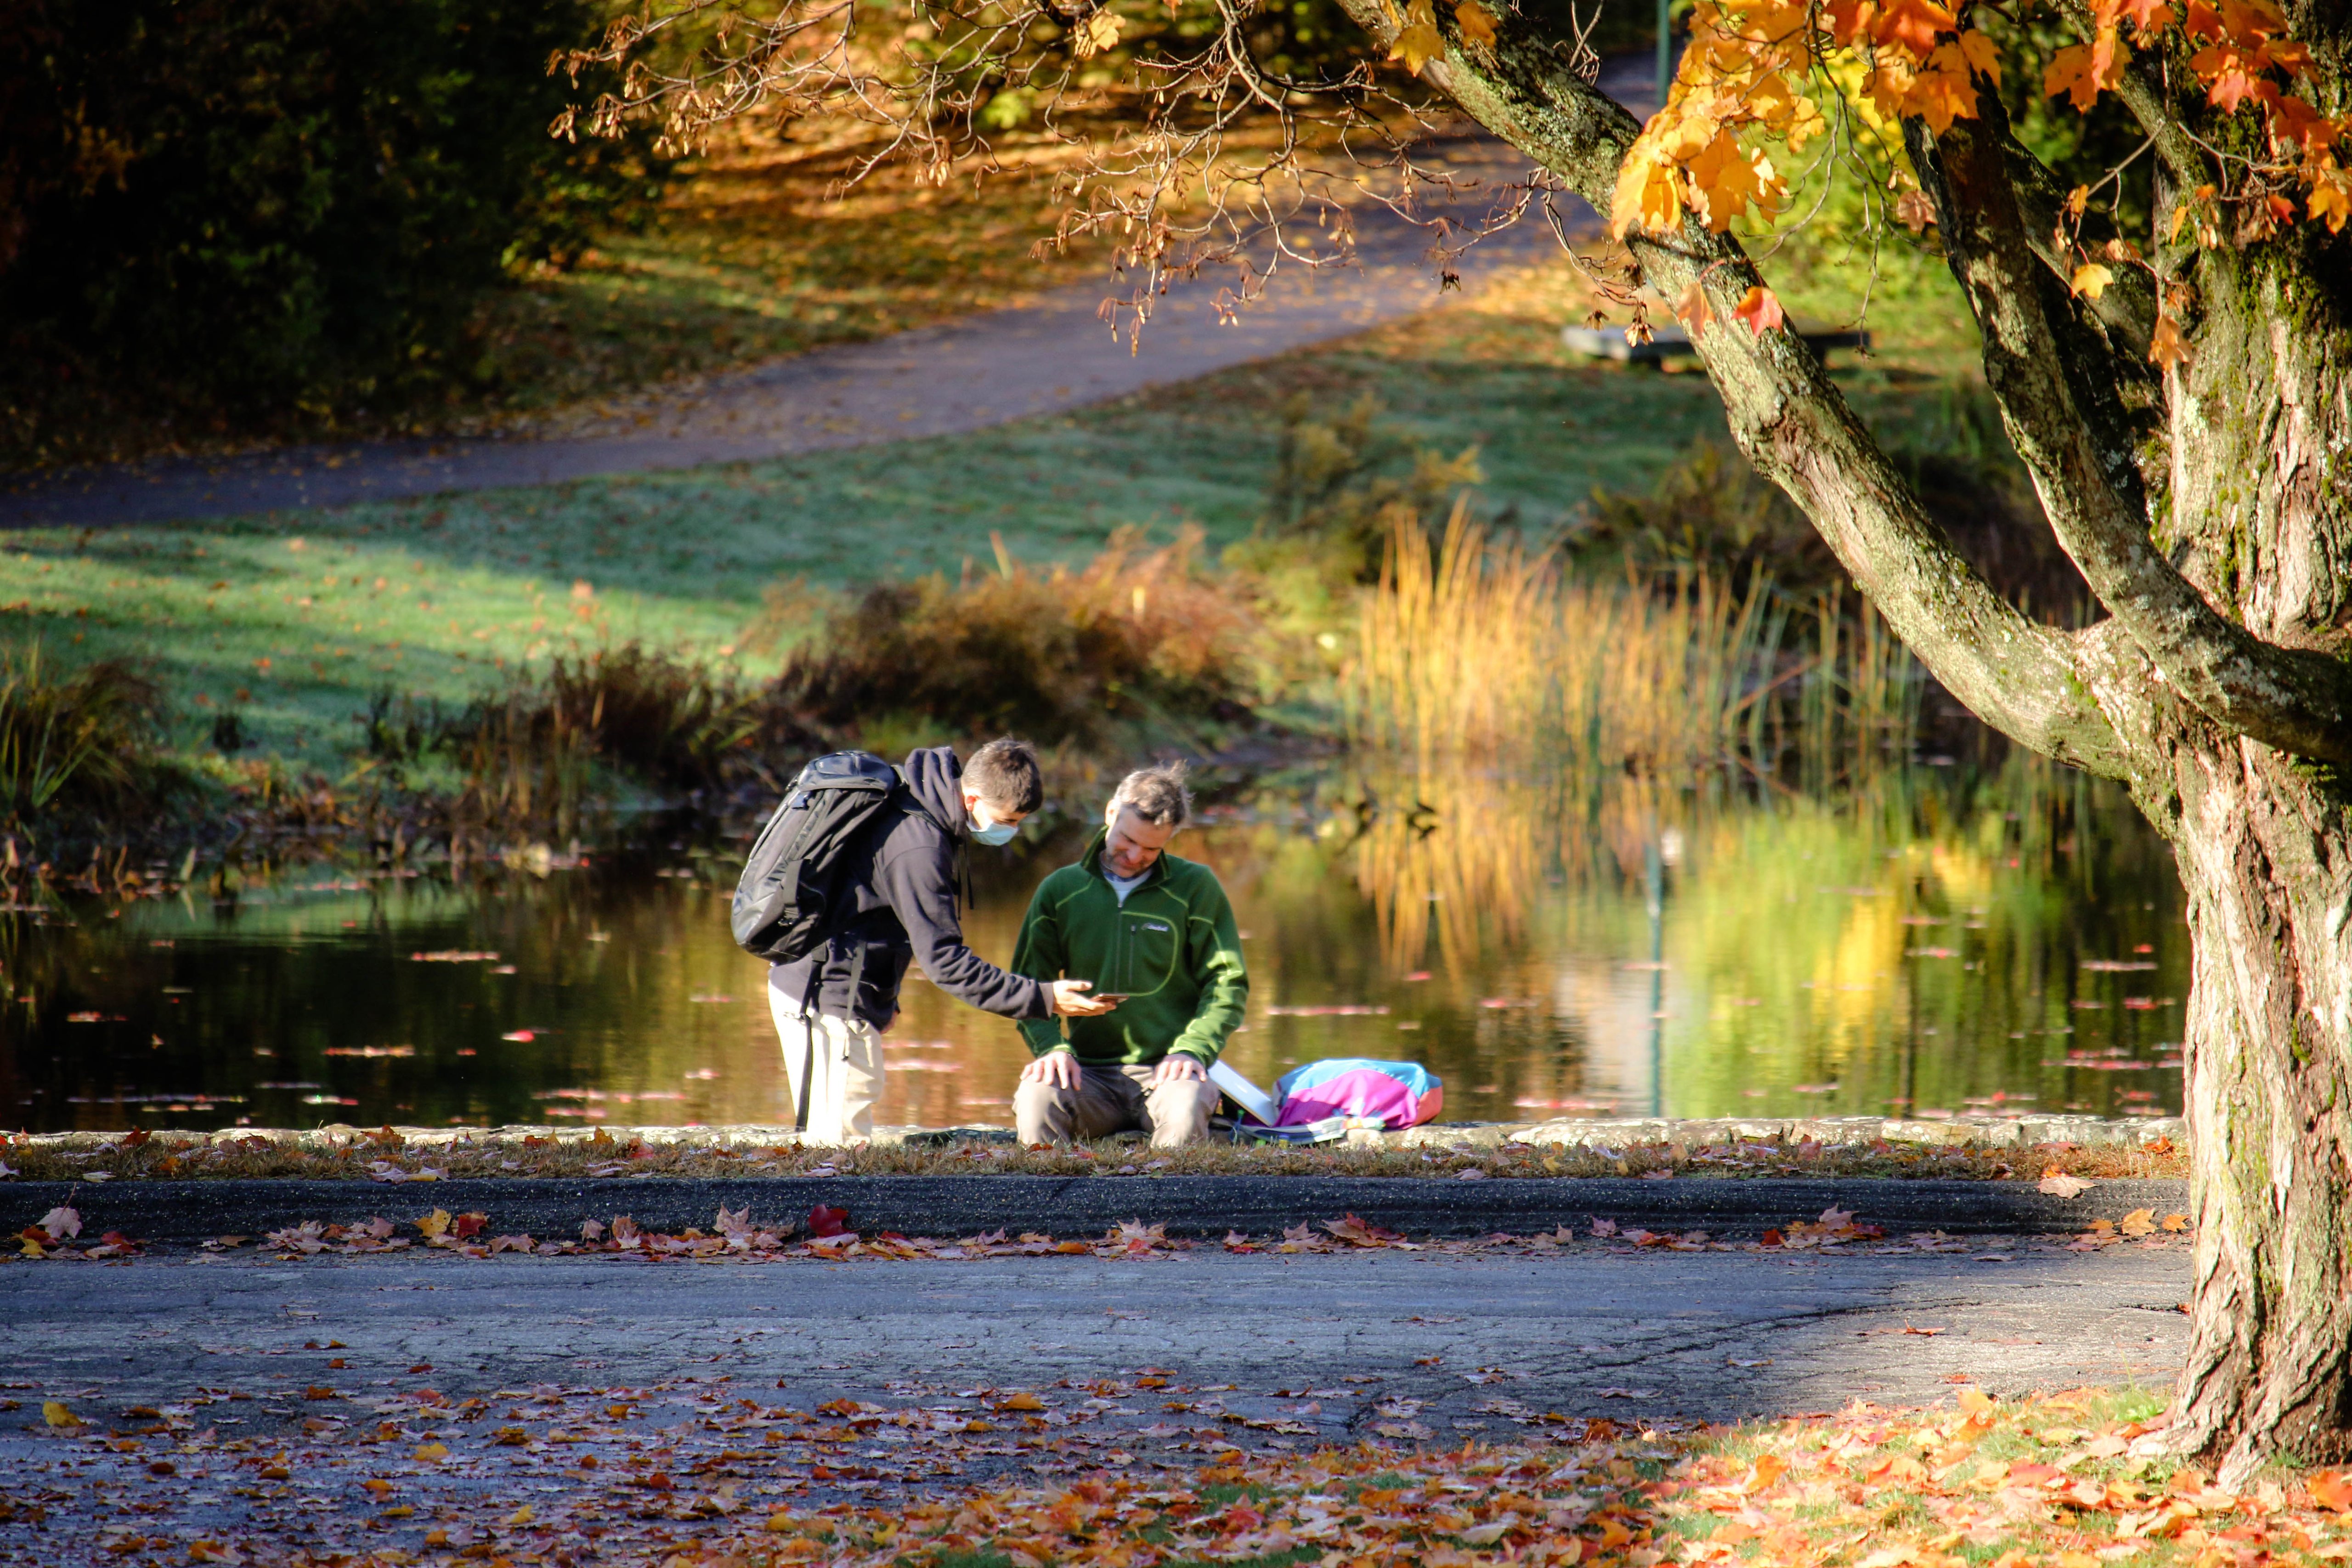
{"points": [[1760, 308], [1942, 91], [2294, 123], [2082, 71], [1983, 54], [2330, 1489], [2251, 21], [2201, 21], [1649, 193], [2331, 199], [2228, 75], [1477, 23], [1912, 25], [2147, 16], [1849, 19], [2165, 346], [1690, 309]]}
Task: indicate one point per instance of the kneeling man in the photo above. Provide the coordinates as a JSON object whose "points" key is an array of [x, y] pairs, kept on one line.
{"points": [[1154, 930]]}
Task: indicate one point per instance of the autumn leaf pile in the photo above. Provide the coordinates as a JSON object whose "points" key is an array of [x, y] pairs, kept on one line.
{"points": [[388, 1156], [1766, 78], [682, 1476], [827, 1237]]}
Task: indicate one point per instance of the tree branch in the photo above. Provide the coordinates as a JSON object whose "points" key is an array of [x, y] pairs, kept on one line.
{"points": [[1789, 418], [2127, 309], [2065, 421]]}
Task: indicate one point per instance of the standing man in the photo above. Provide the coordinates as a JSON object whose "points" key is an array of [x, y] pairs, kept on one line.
{"points": [[1156, 932], [897, 902]]}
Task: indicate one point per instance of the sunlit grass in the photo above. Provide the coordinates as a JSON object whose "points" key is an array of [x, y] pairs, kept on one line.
{"points": [[471, 586]]}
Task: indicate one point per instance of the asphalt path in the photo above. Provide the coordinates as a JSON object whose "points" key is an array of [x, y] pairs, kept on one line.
{"points": [[1584, 1331], [338, 1405], [1050, 355]]}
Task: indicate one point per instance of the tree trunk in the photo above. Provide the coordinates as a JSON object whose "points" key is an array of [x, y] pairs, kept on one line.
{"points": [[2260, 425], [2264, 847]]}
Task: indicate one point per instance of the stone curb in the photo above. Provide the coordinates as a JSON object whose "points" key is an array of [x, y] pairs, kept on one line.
{"points": [[1085, 1206], [1998, 1131]]}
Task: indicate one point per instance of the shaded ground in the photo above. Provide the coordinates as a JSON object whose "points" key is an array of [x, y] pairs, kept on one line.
{"points": [[520, 1367]]}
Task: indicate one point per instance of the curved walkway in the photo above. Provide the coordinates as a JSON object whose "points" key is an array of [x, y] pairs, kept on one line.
{"points": [[966, 374]]}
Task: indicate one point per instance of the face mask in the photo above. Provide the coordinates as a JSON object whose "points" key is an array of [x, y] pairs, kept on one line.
{"points": [[994, 834]]}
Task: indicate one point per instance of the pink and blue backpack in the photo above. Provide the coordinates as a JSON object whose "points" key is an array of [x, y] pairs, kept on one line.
{"points": [[1395, 1094]]}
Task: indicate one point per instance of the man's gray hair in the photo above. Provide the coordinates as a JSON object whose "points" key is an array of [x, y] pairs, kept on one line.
{"points": [[1157, 795]]}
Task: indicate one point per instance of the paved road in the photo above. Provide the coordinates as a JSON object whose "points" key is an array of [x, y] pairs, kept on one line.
{"points": [[982, 370], [339, 1405], [1699, 1334], [968, 374]]}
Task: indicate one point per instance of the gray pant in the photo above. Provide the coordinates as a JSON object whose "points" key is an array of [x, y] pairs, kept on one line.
{"points": [[845, 1060], [1115, 1099]]}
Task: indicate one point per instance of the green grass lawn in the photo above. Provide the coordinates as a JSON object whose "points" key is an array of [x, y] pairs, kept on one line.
{"points": [[295, 620]]}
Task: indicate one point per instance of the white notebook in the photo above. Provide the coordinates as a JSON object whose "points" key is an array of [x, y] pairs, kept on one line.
{"points": [[1245, 1094]]}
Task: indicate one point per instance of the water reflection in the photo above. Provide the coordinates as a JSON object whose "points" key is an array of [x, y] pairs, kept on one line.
{"points": [[1936, 943]]}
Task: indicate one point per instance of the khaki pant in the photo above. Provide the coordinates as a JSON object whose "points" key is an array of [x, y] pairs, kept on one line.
{"points": [[1115, 1099], [845, 1067]]}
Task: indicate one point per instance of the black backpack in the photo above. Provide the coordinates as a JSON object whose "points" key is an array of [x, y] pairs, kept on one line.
{"points": [[785, 899]]}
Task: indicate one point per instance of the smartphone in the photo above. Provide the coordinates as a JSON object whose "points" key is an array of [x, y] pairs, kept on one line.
{"points": [[1110, 996]]}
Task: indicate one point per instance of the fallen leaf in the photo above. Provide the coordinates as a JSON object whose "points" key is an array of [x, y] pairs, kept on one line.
{"points": [[1477, 23], [2063, 1186], [59, 1415]]}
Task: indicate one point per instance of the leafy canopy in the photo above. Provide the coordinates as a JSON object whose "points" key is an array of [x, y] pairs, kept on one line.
{"points": [[1764, 79]]}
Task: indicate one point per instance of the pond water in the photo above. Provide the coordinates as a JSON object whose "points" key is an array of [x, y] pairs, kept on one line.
{"points": [[1935, 942]]}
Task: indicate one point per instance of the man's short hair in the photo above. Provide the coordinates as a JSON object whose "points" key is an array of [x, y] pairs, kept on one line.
{"points": [[1004, 773], [1156, 794]]}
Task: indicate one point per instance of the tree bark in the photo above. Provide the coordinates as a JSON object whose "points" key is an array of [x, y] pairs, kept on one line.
{"points": [[2258, 514], [2265, 848]]}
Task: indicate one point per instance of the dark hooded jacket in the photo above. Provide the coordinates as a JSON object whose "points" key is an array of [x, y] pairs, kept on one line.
{"points": [[899, 901]]}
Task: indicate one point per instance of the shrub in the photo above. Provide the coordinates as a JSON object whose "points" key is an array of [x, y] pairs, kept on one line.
{"points": [[1061, 654], [74, 744], [1336, 480], [530, 753]]}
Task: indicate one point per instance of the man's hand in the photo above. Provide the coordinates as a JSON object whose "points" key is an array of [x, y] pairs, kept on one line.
{"points": [[1055, 1069], [1176, 1068], [1071, 1001]]}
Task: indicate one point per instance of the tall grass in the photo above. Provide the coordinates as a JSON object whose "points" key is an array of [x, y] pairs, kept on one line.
{"points": [[1473, 646], [73, 741]]}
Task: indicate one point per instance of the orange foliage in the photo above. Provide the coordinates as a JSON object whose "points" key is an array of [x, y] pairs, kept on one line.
{"points": [[1757, 71]]}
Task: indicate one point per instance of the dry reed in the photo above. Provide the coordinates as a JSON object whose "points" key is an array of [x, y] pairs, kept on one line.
{"points": [[1478, 647]]}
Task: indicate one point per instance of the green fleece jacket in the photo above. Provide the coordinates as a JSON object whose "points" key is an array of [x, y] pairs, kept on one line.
{"points": [[1172, 946]]}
